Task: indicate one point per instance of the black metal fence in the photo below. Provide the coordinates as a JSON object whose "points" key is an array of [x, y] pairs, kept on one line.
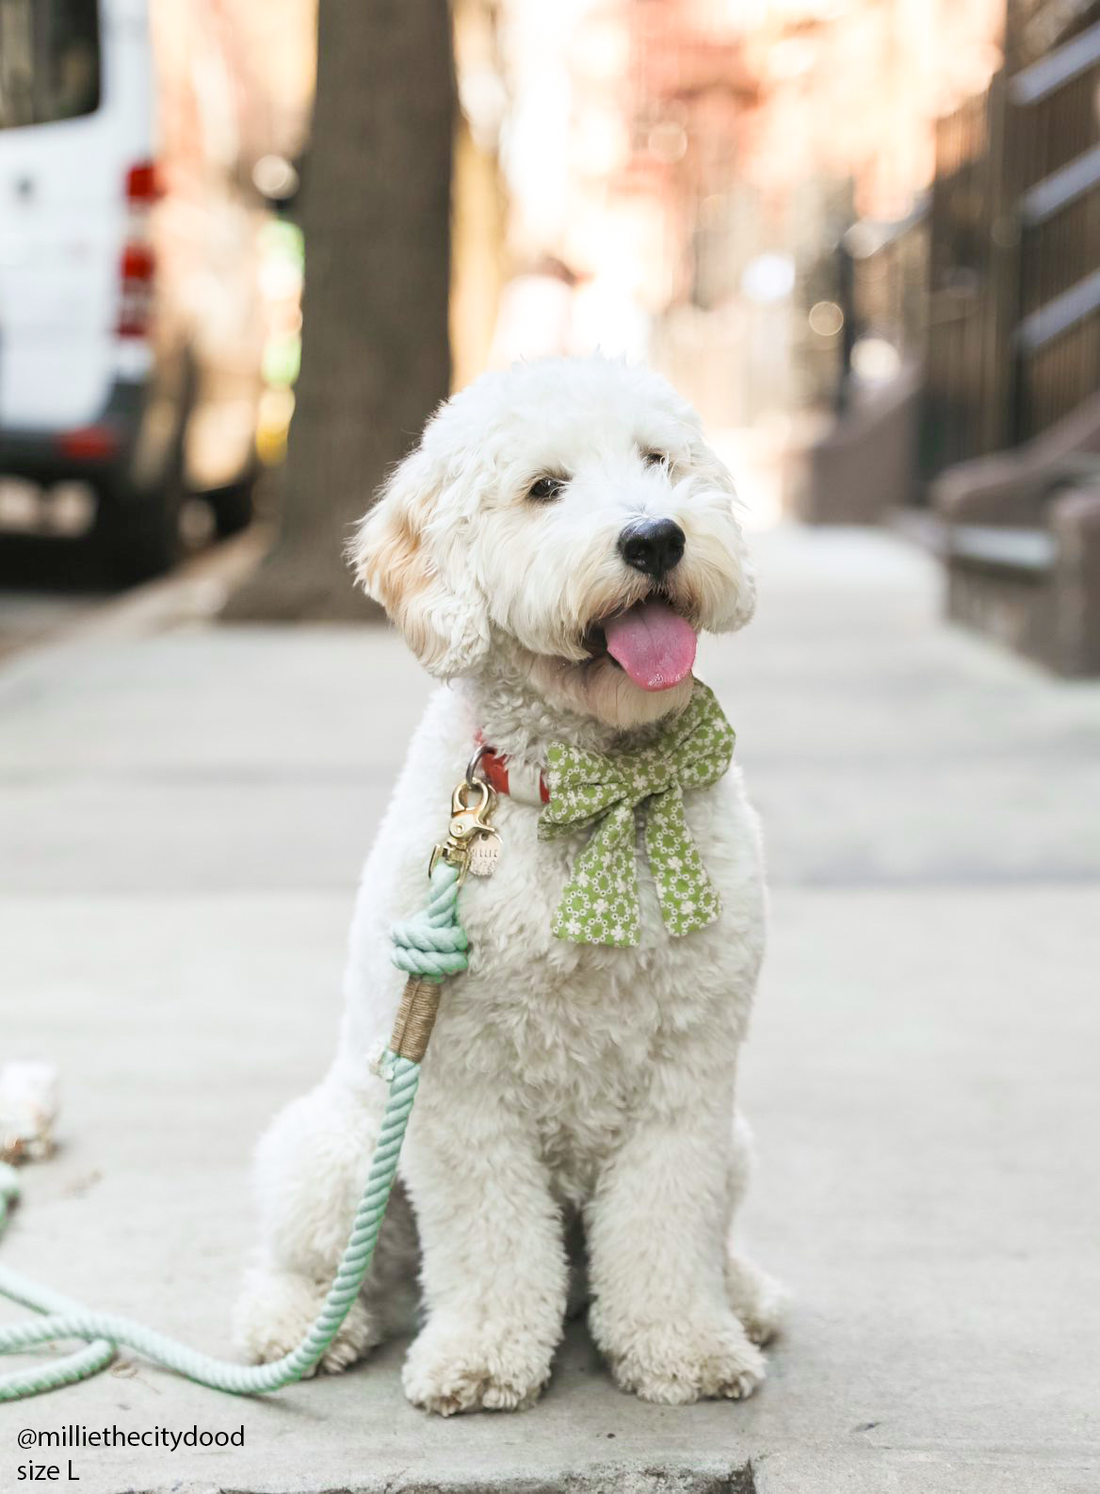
{"points": [[996, 284], [1013, 341], [1054, 115]]}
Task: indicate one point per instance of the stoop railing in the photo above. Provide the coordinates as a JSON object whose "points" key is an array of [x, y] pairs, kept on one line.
{"points": [[1054, 115], [1013, 337]]}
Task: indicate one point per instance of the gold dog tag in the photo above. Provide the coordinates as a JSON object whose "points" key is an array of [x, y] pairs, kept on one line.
{"points": [[483, 855]]}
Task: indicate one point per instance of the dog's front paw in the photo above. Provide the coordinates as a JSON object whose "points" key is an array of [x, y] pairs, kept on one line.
{"points": [[757, 1298], [456, 1366], [676, 1363], [275, 1311]]}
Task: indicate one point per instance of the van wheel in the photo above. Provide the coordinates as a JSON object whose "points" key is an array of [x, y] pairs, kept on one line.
{"points": [[138, 535], [232, 507]]}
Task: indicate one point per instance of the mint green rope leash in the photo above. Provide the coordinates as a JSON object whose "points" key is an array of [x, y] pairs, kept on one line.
{"points": [[433, 944], [428, 948]]}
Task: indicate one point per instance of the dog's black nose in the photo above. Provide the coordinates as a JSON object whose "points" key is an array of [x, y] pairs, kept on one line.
{"points": [[652, 545]]}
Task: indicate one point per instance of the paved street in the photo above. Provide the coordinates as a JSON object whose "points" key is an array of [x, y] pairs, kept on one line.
{"points": [[183, 816]]}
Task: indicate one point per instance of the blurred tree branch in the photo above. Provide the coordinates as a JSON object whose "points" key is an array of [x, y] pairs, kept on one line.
{"points": [[375, 212]]}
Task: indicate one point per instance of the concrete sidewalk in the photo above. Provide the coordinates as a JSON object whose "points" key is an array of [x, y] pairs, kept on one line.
{"points": [[183, 819]]}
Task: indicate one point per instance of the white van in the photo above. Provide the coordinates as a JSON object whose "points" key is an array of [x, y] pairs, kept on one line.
{"points": [[131, 321]]}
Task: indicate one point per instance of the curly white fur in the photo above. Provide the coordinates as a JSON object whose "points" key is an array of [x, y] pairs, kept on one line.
{"points": [[564, 1084]]}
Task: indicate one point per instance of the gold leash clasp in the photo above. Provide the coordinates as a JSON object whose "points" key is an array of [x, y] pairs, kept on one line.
{"points": [[469, 835]]}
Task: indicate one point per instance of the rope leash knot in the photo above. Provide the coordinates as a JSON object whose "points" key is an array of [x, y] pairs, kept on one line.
{"points": [[427, 947]]}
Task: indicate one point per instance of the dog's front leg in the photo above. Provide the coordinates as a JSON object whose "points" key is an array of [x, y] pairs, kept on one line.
{"points": [[310, 1169], [656, 1237], [494, 1271]]}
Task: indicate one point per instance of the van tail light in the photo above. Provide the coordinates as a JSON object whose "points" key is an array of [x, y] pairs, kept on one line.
{"points": [[91, 443], [137, 268], [135, 307], [142, 184]]}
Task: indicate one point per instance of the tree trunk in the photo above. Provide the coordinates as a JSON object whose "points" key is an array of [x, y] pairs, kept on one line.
{"points": [[375, 212]]}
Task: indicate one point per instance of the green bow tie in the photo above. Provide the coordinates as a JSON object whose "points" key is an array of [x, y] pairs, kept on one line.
{"points": [[600, 902]]}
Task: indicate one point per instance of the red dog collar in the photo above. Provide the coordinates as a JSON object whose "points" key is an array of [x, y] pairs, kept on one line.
{"points": [[519, 782]]}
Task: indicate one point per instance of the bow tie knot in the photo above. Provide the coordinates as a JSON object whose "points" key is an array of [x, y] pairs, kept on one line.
{"points": [[604, 791]]}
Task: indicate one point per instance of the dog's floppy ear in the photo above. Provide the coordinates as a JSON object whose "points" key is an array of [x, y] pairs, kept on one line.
{"points": [[404, 554], [715, 473]]}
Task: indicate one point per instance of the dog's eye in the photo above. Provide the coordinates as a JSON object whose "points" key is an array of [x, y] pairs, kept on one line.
{"points": [[656, 459], [546, 489]]}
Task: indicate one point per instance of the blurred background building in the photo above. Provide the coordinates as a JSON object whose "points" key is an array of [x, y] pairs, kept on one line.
{"points": [[862, 235]]}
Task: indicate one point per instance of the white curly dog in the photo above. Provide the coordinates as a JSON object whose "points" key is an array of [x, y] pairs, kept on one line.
{"points": [[549, 550]]}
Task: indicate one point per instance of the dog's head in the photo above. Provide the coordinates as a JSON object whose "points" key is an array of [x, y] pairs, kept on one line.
{"points": [[565, 519]]}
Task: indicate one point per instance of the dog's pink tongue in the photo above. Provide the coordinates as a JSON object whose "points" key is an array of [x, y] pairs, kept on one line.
{"points": [[654, 645]]}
